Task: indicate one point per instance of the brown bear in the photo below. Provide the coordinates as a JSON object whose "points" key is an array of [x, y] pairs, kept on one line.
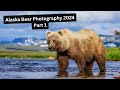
{"points": [[83, 46]]}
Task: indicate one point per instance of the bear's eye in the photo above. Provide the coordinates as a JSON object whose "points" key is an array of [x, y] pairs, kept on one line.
{"points": [[53, 40], [48, 41]]}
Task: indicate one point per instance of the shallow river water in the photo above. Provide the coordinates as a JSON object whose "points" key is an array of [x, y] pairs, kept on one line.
{"points": [[47, 69]]}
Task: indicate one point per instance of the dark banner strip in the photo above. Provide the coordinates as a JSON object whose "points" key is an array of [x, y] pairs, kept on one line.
{"points": [[39, 21]]}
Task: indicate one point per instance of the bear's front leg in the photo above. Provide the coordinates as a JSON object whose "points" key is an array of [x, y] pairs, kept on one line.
{"points": [[62, 65]]}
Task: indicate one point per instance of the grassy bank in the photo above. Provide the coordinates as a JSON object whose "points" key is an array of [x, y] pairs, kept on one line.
{"points": [[26, 54], [111, 54]]}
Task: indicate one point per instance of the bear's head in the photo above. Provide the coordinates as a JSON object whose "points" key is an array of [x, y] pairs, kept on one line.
{"points": [[57, 41]]}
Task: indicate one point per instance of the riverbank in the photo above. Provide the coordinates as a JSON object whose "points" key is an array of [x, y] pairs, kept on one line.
{"points": [[28, 54], [112, 54]]}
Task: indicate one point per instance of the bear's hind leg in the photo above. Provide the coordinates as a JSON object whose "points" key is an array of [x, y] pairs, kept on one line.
{"points": [[101, 63], [82, 68]]}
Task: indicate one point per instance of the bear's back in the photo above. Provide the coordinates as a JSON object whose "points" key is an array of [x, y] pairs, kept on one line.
{"points": [[84, 34], [81, 34]]}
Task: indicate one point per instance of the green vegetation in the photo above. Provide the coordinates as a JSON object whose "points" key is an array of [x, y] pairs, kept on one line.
{"points": [[26, 54], [10, 51], [37, 52], [113, 54]]}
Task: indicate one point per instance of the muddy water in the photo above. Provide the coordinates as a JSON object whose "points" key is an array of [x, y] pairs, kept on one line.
{"points": [[47, 69]]}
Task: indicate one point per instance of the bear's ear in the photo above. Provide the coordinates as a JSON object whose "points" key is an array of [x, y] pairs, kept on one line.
{"points": [[48, 32], [60, 32]]}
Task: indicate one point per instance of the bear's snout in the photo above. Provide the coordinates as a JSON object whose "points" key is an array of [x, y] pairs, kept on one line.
{"points": [[49, 48]]}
